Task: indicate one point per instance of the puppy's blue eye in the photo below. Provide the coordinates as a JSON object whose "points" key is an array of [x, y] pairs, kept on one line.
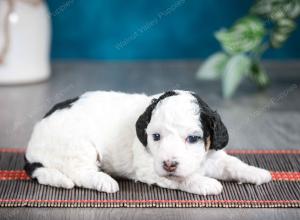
{"points": [[156, 137], [192, 139]]}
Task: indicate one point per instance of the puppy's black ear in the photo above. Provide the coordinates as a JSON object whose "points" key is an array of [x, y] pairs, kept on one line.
{"points": [[215, 133], [143, 121]]}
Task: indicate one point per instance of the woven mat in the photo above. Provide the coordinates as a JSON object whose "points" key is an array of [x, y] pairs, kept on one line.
{"points": [[17, 190]]}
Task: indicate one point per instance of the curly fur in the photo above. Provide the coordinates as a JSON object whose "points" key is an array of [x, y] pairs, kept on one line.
{"points": [[88, 140]]}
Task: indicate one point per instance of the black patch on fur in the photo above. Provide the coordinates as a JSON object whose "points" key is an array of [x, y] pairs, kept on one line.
{"points": [[65, 104], [31, 167], [145, 118], [212, 126]]}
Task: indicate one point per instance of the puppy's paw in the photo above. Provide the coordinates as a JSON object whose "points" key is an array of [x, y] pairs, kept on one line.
{"points": [[256, 176], [52, 177], [202, 186], [105, 183]]}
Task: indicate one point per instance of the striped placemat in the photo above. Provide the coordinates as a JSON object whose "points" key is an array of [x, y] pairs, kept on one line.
{"points": [[16, 189]]}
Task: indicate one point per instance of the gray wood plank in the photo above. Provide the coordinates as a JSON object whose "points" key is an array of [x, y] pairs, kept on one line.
{"points": [[148, 213], [276, 110]]}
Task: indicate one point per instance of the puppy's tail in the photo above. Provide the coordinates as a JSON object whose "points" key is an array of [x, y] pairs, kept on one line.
{"points": [[31, 167], [47, 176]]}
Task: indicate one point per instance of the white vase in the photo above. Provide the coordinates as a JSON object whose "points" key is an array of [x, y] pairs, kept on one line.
{"points": [[27, 57]]}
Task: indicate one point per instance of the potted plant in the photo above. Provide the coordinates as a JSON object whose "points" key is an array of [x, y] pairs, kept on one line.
{"points": [[268, 24]]}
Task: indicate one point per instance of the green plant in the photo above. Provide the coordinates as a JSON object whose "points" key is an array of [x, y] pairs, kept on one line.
{"points": [[268, 24]]}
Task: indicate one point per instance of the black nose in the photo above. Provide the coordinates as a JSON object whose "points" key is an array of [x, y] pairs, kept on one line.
{"points": [[169, 165]]}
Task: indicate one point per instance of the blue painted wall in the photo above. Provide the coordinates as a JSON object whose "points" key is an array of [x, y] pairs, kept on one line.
{"points": [[141, 29]]}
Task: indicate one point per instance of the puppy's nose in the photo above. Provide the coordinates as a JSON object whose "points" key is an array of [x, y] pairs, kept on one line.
{"points": [[169, 165]]}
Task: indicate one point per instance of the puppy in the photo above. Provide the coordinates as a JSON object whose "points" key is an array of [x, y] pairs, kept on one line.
{"points": [[173, 140]]}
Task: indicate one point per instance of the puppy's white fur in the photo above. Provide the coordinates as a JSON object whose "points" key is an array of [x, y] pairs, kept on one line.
{"points": [[95, 139]]}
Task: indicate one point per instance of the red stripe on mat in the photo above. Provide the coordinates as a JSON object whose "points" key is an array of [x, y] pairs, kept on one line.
{"points": [[263, 151], [286, 176], [13, 175], [21, 175], [152, 201], [12, 150], [237, 151]]}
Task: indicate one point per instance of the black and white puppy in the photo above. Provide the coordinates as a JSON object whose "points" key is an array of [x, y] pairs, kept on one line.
{"points": [[173, 140]]}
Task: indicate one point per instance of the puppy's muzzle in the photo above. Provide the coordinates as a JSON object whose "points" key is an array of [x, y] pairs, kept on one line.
{"points": [[170, 166]]}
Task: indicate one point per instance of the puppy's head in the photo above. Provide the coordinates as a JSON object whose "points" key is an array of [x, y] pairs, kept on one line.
{"points": [[178, 128]]}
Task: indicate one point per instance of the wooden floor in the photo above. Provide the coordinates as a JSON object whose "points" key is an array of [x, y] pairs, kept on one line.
{"points": [[256, 120]]}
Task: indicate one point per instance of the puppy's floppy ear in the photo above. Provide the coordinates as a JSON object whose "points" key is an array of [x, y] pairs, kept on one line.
{"points": [[214, 131], [143, 121]]}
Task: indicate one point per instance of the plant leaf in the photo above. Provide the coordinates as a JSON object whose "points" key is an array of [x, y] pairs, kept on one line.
{"points": [[245, 35], [282, 32], [259, 75], [236, 68], [276, 9], [213, 67]]}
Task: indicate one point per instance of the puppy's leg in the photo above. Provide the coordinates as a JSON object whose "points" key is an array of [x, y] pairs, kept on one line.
{"points": [[196, 184], [222, 166], [201, 185], [150, 177], [91, 178], [52, 177], [80, 162]]}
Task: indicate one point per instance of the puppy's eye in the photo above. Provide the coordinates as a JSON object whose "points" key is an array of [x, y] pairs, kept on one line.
{"points": [[156, 136], [192, 139]]}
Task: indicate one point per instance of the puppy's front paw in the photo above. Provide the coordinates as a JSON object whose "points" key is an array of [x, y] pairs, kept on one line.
{"points": [[106, 183], [256, 176], [202, 186]]}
